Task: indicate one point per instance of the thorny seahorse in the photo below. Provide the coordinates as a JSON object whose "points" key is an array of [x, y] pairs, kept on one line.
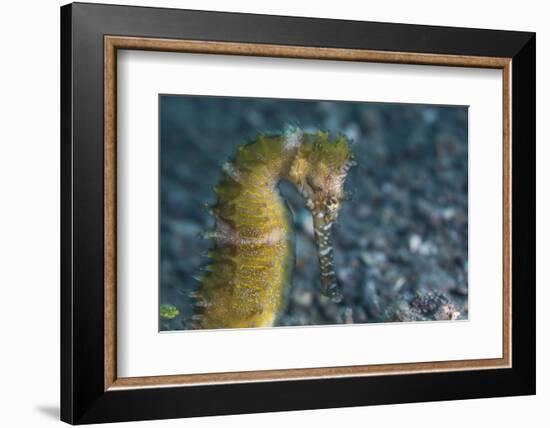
{"points": [[245, 281]]}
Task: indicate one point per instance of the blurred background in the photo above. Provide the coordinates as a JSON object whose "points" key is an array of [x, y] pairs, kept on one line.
{"points": [[401, 240]]}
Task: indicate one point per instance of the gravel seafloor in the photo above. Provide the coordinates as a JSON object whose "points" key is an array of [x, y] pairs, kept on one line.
{"points": [[401, 240]]}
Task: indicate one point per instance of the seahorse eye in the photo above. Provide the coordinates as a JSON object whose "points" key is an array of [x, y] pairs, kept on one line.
{"points": [[332, 203]]}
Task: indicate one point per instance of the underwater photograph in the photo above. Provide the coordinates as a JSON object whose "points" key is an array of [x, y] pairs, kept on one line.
{"points": [[280, 212]]}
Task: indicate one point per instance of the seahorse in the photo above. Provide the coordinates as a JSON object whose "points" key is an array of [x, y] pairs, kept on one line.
{"points": [[246, 278]]}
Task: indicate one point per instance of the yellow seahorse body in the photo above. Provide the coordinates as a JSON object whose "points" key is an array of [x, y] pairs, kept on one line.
{"points": [[245, 282]]}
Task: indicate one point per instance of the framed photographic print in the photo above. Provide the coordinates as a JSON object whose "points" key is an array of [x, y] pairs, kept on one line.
{"points": [[265, 213]]}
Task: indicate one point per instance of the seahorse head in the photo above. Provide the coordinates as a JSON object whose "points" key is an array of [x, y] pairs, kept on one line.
{"points": [[319, 171]]}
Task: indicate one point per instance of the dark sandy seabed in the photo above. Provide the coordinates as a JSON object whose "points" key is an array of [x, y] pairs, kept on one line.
{"points": [[401, 240]]}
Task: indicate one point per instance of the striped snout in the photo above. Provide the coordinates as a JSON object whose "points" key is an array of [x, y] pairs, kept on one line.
{"points": [[323, 242]]}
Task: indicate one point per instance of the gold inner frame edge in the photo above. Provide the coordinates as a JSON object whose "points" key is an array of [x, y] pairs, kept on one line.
{"points": [[113, 43]]}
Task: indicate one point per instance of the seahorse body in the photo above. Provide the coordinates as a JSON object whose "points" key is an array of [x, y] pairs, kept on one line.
{"points": [[245, 281]]}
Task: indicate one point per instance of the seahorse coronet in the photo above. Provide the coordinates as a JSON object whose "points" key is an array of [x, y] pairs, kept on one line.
{"points": [[247, 277]]}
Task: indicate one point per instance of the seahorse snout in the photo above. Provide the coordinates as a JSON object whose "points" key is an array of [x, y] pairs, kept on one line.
{"points": [[322, 224]]}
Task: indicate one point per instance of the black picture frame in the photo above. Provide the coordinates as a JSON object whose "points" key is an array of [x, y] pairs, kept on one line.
{"points": [[83, 396]]}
